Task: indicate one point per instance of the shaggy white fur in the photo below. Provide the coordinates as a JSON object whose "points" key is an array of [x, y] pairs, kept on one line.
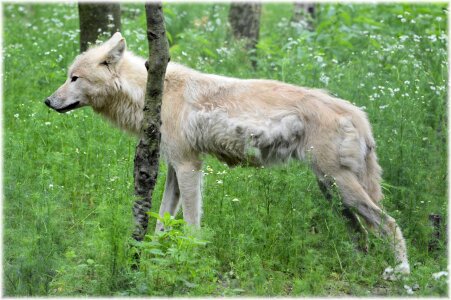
{"points": [[251, 122]]}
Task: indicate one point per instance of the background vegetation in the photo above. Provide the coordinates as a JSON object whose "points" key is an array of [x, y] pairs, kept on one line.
{"points": [[68, 185]]}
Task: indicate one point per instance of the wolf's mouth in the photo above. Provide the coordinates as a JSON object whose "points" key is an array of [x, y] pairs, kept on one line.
{"points": [[69, 107]]}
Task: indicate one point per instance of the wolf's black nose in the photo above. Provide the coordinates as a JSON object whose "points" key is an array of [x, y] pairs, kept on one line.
{"points": [[47, 102]]}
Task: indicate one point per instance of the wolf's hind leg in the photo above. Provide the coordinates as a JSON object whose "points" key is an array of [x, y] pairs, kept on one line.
{"points": [[351, 216], [189, 177], [171, 196], [354, 196]]}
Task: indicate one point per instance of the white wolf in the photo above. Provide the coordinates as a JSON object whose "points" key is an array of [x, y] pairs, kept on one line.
{"points": [[252, 122]]}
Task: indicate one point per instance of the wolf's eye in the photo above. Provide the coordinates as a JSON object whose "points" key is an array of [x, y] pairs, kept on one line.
{"points": [[74, 78], [105, 63]]}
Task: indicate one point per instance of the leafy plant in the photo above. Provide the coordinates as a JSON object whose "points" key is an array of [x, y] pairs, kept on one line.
{"points": [[174, 261]]}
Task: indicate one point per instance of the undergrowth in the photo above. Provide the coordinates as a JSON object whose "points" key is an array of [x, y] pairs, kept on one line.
{"points": [[68, 181]]}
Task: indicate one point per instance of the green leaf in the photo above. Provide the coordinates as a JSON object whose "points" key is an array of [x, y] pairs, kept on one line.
{"points": [[155, 215], [156, 252]]}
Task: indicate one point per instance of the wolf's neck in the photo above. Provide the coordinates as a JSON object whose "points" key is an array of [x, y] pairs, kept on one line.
{"points": [[125, 110], [125, 102]]}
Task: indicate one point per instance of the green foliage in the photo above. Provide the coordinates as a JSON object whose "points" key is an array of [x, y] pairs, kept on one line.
{"points": [[173, 262], [68, 181]]}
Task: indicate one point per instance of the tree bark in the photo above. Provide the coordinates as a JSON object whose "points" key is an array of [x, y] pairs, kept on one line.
{"points": [[96, 19], [244, 19], [303, 14], [147, 151]]}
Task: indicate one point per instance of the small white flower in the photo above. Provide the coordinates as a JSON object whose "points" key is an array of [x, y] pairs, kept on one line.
{"points": [[16, 116], [408, 289], [235, 200], [440, 274], [47, 123], [403, 38], [219, 182], [324, 79], [51, 186]]}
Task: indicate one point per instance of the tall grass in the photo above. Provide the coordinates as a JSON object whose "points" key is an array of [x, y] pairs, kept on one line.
{"points": [[68, 184]]}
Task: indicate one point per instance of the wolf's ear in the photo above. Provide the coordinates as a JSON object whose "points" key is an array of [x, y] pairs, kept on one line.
{"points": [[116, 52], [116, 36]]}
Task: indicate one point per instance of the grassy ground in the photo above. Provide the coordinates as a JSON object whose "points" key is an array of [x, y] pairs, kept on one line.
{"points": [[68, 184]]}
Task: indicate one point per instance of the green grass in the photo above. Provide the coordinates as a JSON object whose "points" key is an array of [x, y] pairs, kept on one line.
{"points": [[68, 181]]}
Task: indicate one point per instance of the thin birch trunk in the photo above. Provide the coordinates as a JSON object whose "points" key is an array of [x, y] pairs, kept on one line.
{"points": [[147, 151]]}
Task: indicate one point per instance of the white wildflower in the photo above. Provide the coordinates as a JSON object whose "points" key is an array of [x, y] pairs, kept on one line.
{"points": [[440, 274], [403, 38], [319, 58], [408, 289], [324, 79]]}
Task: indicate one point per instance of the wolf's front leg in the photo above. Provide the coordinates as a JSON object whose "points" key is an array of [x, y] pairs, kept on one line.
{"points": [[189, 177], [171, 196]]}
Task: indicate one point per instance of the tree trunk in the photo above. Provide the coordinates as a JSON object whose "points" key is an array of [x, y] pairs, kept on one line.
{"points": [[303, 15], [96, 19], [244, 19], [147, 151]]}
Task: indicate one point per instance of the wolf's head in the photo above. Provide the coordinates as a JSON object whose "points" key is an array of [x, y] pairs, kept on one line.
{"points": [[90, 79]]}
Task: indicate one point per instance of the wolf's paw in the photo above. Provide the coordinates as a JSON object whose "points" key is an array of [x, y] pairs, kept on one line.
{"points": [[397, 273], [159, 227]]}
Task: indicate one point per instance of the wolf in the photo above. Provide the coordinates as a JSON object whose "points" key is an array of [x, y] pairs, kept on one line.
{"points": [[240, 122]]}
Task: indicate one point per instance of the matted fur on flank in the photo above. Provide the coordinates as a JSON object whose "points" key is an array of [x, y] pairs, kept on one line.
{"points": [[251, 122]]}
